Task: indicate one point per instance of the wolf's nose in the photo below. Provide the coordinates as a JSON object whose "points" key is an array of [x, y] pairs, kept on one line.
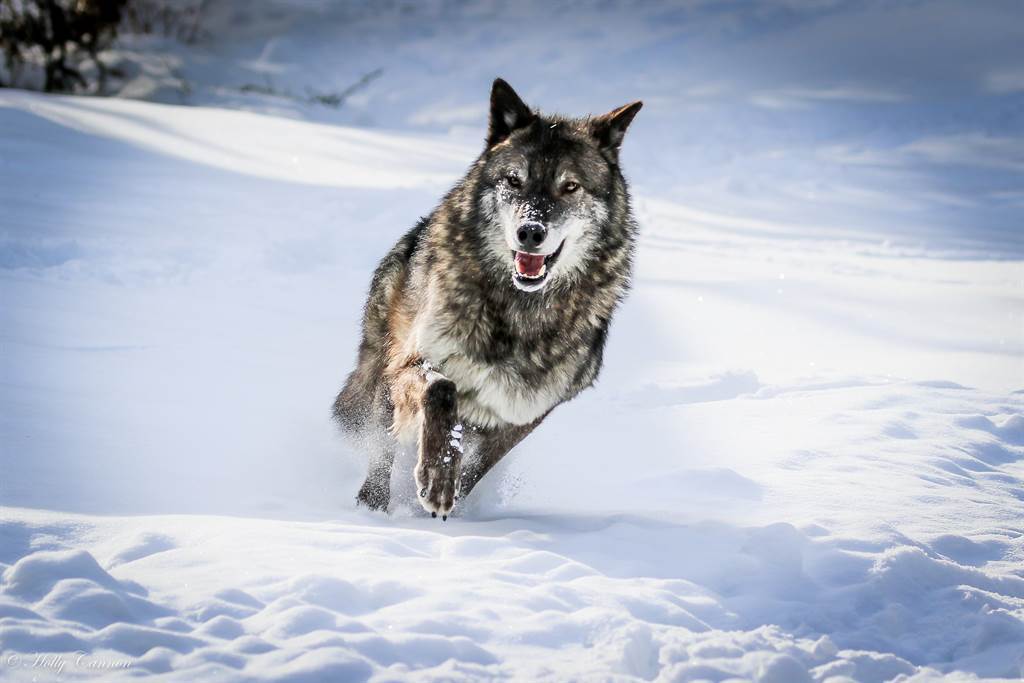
{"points": [[531, 235]]}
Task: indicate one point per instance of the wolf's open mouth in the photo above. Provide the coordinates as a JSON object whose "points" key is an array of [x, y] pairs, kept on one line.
{"points": [[531, 270]]}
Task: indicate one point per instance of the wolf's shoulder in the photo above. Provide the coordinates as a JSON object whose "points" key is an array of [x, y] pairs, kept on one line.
{"points": [[407, 245], [398, 258]]}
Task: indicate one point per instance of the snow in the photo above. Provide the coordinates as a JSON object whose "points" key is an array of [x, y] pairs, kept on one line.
{"points": [[803, 460]]}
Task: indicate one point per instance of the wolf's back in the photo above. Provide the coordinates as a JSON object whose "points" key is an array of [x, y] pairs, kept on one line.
{"points": [[363, 389]]}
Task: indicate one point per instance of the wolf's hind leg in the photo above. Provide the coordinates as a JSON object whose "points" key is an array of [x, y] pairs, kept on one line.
{"points": [[375, 493], [426, 411]]}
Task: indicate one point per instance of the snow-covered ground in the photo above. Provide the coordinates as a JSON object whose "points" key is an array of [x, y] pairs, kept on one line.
{"points": [[804, 460]]}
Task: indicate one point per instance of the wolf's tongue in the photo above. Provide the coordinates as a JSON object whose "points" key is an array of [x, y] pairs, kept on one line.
{"points": [[529, 264]]}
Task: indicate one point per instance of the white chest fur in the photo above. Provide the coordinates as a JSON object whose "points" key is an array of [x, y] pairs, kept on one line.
{"points": [[490, 395]]}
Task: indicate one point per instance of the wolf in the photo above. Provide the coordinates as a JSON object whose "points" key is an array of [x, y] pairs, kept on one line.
{"points": [[495, 308]]}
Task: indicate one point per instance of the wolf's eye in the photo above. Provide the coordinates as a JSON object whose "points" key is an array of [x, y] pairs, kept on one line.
{"points": [[514, 181], [570, 187]]}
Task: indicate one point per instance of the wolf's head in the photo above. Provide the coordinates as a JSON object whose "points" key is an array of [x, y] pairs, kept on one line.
{"points": [[547, 189]]}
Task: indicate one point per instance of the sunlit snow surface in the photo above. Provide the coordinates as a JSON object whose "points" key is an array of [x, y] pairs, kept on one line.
{"points": [[803, 460]]}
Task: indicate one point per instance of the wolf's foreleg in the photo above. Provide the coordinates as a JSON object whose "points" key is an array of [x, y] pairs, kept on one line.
{"points": [[426, 399], [494, 445]]}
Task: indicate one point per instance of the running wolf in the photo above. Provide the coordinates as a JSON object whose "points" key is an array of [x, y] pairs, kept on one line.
{"points": [[495, 308]]}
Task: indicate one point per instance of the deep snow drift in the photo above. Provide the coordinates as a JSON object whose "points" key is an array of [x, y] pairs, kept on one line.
{"points": [[803, 460]]}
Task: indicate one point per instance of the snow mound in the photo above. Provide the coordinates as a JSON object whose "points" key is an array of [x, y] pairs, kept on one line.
{"points": [[549, 601]]}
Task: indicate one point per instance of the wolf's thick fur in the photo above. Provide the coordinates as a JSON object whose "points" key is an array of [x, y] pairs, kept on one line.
{"points": [[467, 341]]}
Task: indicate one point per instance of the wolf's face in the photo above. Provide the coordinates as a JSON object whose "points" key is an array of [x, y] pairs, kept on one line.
{"points": [[545, 187]]}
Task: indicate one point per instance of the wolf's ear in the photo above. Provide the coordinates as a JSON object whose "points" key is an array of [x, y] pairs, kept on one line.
{"points": [[508, 112], [610, 128]]}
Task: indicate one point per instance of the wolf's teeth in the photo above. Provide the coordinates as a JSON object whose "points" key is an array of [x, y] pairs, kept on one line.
{"points": [[539, 275]]}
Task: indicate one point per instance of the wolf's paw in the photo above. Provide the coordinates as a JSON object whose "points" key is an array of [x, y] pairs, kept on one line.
{"points": [[374, 495], [440, 461], [438, 487]]}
